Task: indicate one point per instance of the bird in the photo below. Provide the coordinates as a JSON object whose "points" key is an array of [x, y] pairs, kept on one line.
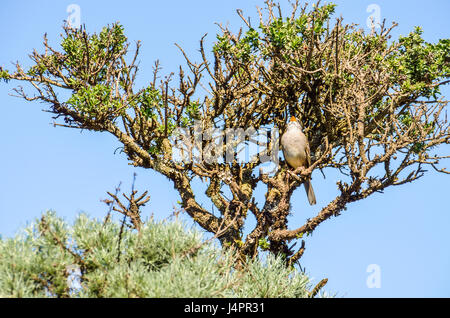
{"points": [[295, 148]]}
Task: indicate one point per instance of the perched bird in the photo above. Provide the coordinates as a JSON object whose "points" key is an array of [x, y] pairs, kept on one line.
{"points": [[295, 148]]}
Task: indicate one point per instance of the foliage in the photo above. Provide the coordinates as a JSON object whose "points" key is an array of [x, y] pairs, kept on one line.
{"points": [[4, 75], [54, 259], [93, 101]]}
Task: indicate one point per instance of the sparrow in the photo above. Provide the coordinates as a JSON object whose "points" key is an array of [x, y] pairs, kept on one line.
{"points": [[295, 148]]}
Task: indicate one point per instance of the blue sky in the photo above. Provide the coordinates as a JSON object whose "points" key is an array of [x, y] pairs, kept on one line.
{"points": [[403, 231]]}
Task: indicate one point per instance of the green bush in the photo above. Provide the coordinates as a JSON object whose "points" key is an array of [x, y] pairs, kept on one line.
{"points": [[94, 259]]}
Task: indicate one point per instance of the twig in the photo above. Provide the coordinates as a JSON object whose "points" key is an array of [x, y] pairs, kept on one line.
{"points": [[123, 222], [318, 287], [111, 204]]}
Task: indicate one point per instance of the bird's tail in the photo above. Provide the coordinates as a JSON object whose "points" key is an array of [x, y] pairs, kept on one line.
{"points": [[310, 192]]}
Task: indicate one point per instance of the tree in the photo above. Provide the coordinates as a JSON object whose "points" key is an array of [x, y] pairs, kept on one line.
{"points": [[371, 108], [90, 258]]}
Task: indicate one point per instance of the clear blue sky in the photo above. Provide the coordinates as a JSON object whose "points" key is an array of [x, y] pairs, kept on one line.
{"points": [[405, 231]]}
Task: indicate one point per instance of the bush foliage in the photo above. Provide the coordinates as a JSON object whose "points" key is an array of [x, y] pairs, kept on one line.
{"points": [[90, 258]]}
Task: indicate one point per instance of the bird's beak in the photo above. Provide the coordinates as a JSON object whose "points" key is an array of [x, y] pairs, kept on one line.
{"points": [[293, 118]]}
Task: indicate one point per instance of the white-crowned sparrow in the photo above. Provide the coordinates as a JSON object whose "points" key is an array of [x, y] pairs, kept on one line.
{"points": [[295, 148]]}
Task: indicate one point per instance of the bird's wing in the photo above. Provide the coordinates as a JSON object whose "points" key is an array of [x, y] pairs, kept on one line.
{"points": [[308, 154]]}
